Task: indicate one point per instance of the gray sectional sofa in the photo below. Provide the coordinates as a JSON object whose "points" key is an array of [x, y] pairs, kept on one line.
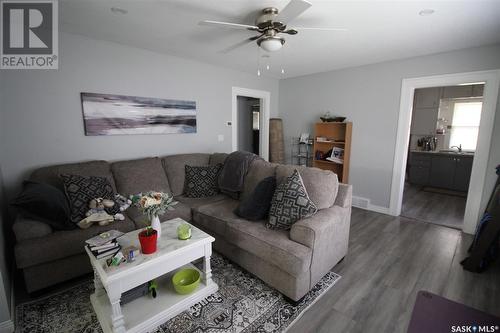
{"points": [[290, 261]]}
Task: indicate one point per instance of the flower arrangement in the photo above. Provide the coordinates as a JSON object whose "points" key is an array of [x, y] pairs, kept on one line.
{"points": [[153, 203]]}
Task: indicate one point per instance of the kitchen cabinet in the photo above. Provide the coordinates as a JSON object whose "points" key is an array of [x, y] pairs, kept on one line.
{"points": [[424, 121], [427, 97], [472, 90], [420, 166], [443, 170], [463, 169], [457, 91], [477, 90], [425, 111]]}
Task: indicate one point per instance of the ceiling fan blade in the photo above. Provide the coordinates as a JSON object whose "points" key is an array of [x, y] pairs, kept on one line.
{"points": [[228, 25], [292, 10], [319, 29], [240, 44]]}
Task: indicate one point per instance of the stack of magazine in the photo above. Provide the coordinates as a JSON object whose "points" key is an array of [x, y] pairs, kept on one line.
{"points": [[104, 245]]}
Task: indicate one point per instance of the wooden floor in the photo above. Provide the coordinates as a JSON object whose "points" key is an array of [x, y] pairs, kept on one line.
{"points": [[433, 207], [390, 259]]}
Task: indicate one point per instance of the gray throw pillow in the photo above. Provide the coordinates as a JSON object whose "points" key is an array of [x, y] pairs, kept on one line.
{"points": [[290, 203], [256, 206], [201, 181]]}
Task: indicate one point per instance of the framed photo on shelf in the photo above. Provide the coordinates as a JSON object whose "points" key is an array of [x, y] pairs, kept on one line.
{"points": [[304, 138]]}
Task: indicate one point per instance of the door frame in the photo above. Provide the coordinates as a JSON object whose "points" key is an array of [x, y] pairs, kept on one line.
{"points": [[265, 98], [479, 167]]}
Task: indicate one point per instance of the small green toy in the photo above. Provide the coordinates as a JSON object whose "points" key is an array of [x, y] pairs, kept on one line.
{"points": [[153, 287]]}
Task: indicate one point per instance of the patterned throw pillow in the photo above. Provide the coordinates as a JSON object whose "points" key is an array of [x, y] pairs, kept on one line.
{"points": [[201, 181], [80, 190], [290, 203]]}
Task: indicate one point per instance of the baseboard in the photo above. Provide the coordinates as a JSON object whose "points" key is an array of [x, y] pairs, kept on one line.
{"points": [[364, 203], [7, 326]]}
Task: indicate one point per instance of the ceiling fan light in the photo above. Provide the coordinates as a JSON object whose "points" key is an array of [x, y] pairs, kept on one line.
{"points": [[271, 44]]}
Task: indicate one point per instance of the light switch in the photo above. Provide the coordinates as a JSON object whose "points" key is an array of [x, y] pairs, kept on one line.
{"points": [[220, 137]]}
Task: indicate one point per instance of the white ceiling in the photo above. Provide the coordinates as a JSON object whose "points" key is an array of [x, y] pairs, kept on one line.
{"points": [[377, 30]]}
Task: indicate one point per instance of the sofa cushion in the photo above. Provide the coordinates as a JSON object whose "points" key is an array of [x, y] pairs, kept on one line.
{"points": [[321, 185], [45, 203], [28, 228], [174, 168], [61, 244], [201, 181], [80, 190], [259, 170], [256, 206], [141, 221], [197, 202], [212, 217], [272, 246], [290, 203], [142, 175], [217, 158], [50, 174]]}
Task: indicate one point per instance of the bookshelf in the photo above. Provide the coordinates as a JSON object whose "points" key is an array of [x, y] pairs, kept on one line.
{"points": [[335, 135]]}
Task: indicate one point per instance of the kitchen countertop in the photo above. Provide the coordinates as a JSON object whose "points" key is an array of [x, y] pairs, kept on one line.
{"points": [[445, 153]]}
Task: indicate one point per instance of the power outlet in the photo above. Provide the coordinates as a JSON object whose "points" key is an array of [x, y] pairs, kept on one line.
{"points": [[220, 137]]}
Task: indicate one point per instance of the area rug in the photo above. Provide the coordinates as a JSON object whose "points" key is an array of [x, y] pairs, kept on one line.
{"points": [[243, 304]]}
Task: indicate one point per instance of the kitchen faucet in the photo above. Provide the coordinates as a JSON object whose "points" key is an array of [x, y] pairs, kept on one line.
{"points": [[459, 147]]}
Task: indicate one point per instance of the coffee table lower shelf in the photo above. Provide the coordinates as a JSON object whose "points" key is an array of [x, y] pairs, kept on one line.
{"points": [[147, 313]]}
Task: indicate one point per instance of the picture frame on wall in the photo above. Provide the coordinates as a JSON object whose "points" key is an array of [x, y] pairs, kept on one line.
{"points": [[106, 114]]}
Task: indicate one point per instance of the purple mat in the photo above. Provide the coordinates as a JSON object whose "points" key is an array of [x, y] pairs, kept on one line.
{"points": [[436, 314]]}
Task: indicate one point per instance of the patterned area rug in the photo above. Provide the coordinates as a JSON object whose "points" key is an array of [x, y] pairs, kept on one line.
{"points": [[243, 304]]}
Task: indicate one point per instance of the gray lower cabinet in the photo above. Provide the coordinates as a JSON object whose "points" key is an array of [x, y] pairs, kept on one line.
{"points": [[442, 171], [445, 171], [463, 169]]}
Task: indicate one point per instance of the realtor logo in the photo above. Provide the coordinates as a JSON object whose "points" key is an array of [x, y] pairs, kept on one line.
{"points": [[29, 38]]}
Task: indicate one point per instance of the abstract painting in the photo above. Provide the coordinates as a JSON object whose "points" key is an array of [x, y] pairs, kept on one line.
{"points": [[105, 114]]}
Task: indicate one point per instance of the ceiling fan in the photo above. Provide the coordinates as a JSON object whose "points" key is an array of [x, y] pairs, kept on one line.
{"points": [[269, 24]]}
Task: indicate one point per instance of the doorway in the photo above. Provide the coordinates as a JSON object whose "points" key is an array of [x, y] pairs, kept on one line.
{"points": [[478, 176], [443, 138], [248, 124], [250, 121]]}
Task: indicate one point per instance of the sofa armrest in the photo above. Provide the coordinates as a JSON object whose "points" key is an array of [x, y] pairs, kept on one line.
{"points": [[26, 228], [344, 196], [327, 234]]}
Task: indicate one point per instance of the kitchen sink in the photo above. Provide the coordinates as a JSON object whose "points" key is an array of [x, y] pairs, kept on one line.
{"points": [[449, 151]]}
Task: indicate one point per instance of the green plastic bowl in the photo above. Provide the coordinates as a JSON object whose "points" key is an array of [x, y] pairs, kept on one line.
{"points": [[186, 280]]}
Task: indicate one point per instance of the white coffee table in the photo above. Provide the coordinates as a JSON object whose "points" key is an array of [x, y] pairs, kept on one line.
{"points": [[147, 313]]}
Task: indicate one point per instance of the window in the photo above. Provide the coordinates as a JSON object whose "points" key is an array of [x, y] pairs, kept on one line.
{"points": [[465, 124]]}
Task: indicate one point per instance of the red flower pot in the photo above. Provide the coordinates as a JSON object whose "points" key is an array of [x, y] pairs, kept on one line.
{"points": [[148, 241]]}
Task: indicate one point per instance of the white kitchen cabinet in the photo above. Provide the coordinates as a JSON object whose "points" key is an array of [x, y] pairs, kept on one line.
{"points": [[427, 97]]}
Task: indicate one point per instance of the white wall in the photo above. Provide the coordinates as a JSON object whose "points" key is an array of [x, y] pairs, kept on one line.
{"points": [[42, 117], [369, 96]]}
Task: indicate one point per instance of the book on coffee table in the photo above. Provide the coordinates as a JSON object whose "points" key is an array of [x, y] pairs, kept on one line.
{"points": [[104, 238]]}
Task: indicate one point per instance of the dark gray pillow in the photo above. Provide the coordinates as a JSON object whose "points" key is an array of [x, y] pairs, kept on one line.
{"points": [[80, 190], [44, 203], [201, 181], [290, 203], [256, 206]]}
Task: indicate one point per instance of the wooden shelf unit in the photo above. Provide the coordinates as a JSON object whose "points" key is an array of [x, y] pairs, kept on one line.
{"points": [[340, 134]]}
